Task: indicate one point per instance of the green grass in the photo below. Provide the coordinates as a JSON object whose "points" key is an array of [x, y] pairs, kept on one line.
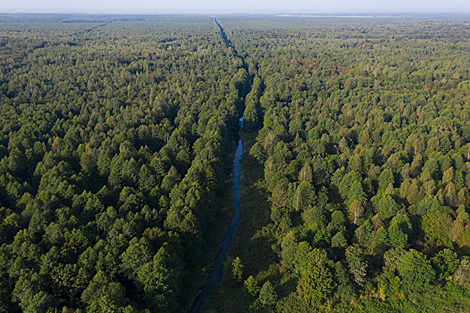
{"points": [[251, 243]]}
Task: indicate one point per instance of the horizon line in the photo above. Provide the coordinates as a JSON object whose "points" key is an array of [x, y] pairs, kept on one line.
{"points": [[229, 12]]}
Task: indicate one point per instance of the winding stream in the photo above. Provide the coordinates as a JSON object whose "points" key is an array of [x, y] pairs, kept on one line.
{"points": [[217, 271]]}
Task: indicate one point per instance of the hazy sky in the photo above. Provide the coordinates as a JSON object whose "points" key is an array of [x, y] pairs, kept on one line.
{"points": [[226, 6]]}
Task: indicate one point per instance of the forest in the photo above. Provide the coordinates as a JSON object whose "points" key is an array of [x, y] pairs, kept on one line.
{"points": [[115, 144], [356, 167], [117, 138]]}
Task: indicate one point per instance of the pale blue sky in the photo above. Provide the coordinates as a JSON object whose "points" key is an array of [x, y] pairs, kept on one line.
{"points": [[229, 6]]}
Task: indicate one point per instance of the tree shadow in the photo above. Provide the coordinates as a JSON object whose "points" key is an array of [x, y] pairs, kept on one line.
{"points": [[287, 287]]}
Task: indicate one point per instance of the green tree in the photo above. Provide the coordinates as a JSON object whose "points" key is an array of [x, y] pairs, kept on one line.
{"points": [[133, 259], [356, 211], [316, 282], [251, 286], [344, 288], [101, 287], [386, 178], [387, 207], [437, 226], [399, 230], [160, 281], [103, 163], [315, 215], [237, 269], [380, 240], [395, 284], [267, 294], [289, 248], [415, 271], [252, 117], [302, 255], [339, 241], [445, 263], [304, 196], [356, 263]]}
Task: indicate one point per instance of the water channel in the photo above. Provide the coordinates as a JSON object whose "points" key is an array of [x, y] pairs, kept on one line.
{"points": [[217, 271]]}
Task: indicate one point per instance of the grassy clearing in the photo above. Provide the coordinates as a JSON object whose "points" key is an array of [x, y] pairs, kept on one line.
{"points": [[251, 243], [252, 240]]}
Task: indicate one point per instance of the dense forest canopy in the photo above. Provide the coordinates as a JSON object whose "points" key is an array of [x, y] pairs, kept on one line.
{"points": [[362, 133], [115, 146], [116, 143]]}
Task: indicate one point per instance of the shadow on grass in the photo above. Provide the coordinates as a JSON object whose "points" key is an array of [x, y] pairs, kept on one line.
{"points": [[251, 244], [252, 240]]}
